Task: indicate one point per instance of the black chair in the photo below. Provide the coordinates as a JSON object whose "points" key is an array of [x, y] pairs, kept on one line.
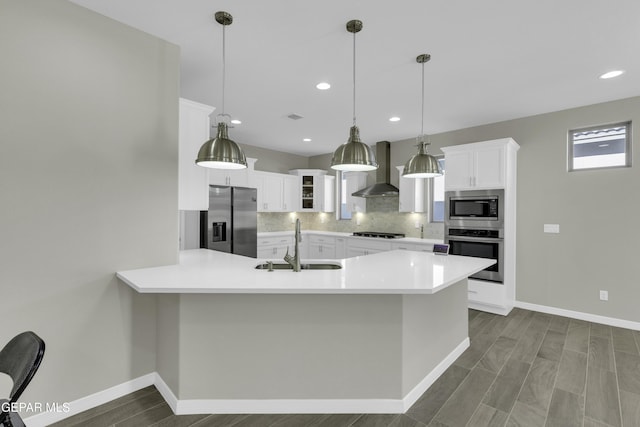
{"points": [[19, 359]]}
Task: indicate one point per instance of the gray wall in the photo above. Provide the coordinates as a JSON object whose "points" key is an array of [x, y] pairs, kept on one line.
{"points": [[88, 183], [596, 247], [275, 161]]}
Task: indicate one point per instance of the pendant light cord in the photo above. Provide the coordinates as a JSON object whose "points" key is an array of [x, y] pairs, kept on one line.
{"points": [[422, 120], [354, 79], [224, 65]]}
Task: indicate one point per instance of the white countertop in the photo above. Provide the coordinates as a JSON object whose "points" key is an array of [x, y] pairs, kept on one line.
{"points": [[394, 272]]}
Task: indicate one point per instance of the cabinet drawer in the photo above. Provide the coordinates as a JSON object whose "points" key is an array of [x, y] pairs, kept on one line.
{"points": [[322, 240], [487, 293], [404, 246], [370, 243], [267, 241], [424, 247]]}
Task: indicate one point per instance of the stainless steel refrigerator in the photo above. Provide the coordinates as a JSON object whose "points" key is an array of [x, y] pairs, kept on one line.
{"points": [[231, 223]]}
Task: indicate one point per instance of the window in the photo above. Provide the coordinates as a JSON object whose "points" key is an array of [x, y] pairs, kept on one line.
{"points": [[437, 194], [600, 147]]}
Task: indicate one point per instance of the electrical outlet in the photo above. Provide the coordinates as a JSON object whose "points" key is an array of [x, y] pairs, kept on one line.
{"points": [[604, 296], [552, 228], [417, 224]]}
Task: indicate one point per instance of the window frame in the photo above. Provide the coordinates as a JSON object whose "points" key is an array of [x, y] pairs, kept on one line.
{"points": [[628, 146]]}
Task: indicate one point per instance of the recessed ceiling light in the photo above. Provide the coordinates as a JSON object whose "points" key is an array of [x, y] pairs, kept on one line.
{"points": [[394, 119], [612, 74], [323, 86], [307, 140], [236, 122]]}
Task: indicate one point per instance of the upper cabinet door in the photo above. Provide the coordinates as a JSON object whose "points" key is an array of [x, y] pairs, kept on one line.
{"points": [[489, 168], [480, 165], [460, 170], [328, 194], [233, 177], [277, 192], [193, 131], [290, 193]]}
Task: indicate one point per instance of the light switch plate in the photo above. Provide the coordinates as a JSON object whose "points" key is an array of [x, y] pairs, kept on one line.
{"points": [[552, 228]]}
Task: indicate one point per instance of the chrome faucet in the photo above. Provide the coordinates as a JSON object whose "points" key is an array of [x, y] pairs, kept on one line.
{"points": [[294, 260]]}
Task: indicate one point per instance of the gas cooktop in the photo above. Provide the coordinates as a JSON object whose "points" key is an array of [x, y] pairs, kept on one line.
{"points": [[378, 234]]}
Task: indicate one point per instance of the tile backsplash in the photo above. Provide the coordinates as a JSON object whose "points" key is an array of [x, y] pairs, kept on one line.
{"points": [[382, 215]]}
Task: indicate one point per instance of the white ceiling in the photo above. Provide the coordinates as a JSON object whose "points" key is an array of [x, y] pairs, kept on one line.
{"points": [[492, 60]]}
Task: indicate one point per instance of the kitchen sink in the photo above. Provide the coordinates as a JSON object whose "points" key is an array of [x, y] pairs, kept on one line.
{"points": [[304, 266]]}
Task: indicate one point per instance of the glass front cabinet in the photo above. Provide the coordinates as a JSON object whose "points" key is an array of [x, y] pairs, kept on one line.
{"points": [[316, 190]]}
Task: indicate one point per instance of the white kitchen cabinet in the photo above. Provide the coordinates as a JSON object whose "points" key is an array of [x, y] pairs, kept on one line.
{"points": [[414, 195], [269, 191], [476, 166], [328, 194], [355, 181], [193, 131], [489, 165], [366, 246], [290, 191], [322, 247], [316, 190], [411, 246], [276, 192], [275, 248], [341, 247], [233, 177]]}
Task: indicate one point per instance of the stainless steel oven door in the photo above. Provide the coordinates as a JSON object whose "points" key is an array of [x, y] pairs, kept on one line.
{"points": [[481, 248]]}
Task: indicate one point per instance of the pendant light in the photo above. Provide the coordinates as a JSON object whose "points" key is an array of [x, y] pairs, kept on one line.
{"points": [[354, 155], [422, 165], [221, 152]]}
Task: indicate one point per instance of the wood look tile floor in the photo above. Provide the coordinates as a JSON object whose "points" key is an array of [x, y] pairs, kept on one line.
{"points": [[525, 369]]}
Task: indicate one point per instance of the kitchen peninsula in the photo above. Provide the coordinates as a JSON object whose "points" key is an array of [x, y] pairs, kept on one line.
{"points": [[369, 337]]}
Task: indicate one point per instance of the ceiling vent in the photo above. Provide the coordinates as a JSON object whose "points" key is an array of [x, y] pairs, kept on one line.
{"points": [[294, 116]]}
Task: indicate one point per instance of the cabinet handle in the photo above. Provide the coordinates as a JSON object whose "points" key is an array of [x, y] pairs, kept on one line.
{"points": [[473, 292]]}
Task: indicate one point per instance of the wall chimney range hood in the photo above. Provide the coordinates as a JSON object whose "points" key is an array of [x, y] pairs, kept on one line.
{"points": [[382, 187]]}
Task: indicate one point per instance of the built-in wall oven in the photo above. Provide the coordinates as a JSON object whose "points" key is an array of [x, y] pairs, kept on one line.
{"points": [[474, 227]]}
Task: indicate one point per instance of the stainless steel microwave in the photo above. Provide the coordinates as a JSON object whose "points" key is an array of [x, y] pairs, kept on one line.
{"points": [[474, 208]]}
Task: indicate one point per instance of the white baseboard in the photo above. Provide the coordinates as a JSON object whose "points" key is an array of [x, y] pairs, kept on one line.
{"points": [[167, 394], [311, 406], [252, 406], [611, 321], [428, 381], [44, 419], [490, 308]]}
